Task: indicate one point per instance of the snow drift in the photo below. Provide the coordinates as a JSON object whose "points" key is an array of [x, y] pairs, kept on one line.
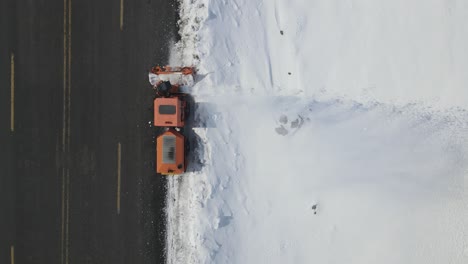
{"points": [[330, 132]]}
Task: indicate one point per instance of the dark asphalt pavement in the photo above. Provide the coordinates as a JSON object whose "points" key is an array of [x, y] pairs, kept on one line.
{"points": [[79, 93]]}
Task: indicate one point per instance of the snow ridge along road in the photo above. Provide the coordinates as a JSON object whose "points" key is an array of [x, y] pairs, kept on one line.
{"points": [[332, 133]]}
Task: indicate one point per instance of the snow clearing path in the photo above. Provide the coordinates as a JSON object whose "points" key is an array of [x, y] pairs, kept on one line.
{"points": [[329, 132]]}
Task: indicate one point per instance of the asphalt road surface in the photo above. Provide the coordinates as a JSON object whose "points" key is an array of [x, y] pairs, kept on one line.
{"points": [[77, 181]]}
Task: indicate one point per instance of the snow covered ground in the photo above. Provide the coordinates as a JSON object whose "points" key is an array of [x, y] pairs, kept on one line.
{"points": [[332, 132]]}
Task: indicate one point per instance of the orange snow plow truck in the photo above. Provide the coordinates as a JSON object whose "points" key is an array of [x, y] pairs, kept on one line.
{"points": [[170, 113]]}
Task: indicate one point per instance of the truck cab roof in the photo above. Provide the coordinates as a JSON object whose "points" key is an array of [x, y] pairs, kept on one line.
{"points": [[169, 112]]}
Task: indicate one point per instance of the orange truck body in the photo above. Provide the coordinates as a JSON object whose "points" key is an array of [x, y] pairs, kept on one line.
{"points": [[170, 153], [169, 112]]}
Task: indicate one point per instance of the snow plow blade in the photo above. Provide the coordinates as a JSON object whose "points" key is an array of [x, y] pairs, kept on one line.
{"points": [[172, 70], [175, 75]]}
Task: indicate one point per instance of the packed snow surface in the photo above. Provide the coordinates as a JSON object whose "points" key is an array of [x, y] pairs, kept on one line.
{"points": [[328, 132]]}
